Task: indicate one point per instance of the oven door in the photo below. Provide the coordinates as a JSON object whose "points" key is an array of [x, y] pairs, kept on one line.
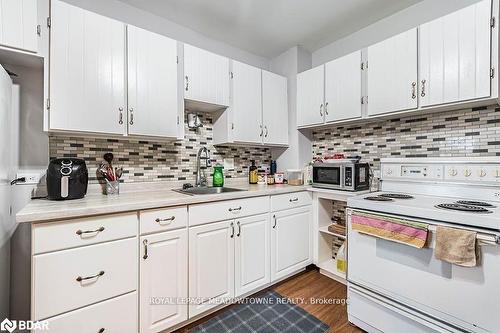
{"points": [[328, 175], [462, 296]]}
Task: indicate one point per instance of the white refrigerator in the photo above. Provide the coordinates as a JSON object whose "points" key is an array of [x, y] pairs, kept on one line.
{"points": [[8, 149]]}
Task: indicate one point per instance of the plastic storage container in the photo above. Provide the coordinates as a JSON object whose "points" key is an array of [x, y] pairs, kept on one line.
{"points": [[294, 177]]}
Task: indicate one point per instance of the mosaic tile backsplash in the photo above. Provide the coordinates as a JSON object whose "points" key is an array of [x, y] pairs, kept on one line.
{"points": [[145, 161], [470, 132]]}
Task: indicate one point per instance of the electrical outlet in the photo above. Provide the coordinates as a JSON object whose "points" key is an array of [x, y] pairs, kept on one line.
{"points": [[31, 177], [229, 163]]}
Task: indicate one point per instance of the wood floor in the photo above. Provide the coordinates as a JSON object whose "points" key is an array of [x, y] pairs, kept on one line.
{"points": [[307, 285]]}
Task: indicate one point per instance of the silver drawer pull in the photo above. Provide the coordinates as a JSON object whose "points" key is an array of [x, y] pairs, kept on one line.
{"points": [[294, 200], [169, 219], [275, 222], [80, 232], [80, 279], [235, 209]]}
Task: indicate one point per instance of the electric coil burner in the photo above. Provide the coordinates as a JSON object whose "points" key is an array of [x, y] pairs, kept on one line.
{"points": [[396, 196], [474, 203], [378, 198], [464, 208]]}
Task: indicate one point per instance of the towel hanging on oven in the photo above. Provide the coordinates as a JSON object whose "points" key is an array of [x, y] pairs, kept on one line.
{"points": [[390, 228]]}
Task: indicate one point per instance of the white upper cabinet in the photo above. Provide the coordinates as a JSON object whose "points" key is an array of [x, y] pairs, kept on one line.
{"points": [[274, 109], [311, 96], [87, 71], [392, 74], [152, 84], [18, 24], [455, 56], [206, 79], [343, 88], [163, 273], [246, 103]]}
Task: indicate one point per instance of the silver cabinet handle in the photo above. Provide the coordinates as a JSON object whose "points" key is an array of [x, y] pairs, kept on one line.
{"points": [[187, 83], [131, 110], [145, 243], [326, 108], [275, 222], [232, 229], [81, 232], [169, 219], [261, 131], [80, 279], [239, 229], [267, 131], [423, 88], [120, 119], [321, 110], [235, 209], [101, 330], [414, 90], [294, 200]]}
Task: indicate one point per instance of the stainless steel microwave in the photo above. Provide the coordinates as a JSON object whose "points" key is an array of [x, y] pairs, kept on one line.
{"points": [[348, 175]]}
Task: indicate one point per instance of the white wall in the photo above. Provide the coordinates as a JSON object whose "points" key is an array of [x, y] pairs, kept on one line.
{"points": [[299, 152], [401, 21], [132, 15]]}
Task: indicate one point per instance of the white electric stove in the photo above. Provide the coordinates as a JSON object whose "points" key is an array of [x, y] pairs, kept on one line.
{"points": [[397, 288]]}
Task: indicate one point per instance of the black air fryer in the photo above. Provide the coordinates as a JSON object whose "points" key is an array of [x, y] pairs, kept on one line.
{"points": [[67, 178]]}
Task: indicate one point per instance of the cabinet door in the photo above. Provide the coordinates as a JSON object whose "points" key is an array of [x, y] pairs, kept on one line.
{"points": [[291, 243], [455, 56], [18, 24], [392, 74], [206, 76], [246, 103], [275, 108], [252, 253], [164, 275], [311, 96], [343, 88], [211, 265], [87, 71], [152, 84]]}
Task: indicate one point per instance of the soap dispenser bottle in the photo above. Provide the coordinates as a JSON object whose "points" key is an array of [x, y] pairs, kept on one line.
{"points": [[253, 174]]}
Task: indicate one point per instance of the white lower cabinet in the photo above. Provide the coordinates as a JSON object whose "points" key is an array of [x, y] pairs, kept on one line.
{"points": [[115, 315], [252, 253], [290, 241], [163, 280], [211, 265]]}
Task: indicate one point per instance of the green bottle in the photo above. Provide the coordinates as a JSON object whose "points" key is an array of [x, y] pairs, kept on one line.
{"points": [[218, 179]]}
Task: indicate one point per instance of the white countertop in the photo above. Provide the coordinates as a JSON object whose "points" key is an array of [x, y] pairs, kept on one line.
{"points": [[43, 210]]}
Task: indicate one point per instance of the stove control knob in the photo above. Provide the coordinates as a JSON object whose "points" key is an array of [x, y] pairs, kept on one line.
{"points": [[467, 173], [453, 172], [482, 173]]}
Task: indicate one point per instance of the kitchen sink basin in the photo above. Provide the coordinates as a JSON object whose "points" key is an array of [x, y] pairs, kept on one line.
{"points": [[208, 190]]}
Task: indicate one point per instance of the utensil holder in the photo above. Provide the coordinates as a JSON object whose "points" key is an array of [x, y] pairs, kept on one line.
{"points": [[112, 187]]}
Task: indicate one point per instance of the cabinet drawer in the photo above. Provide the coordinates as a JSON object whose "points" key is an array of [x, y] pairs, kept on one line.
{"points": [[62, 281], [115, 315], [226, 210], [156, 220], [63, 235], [290, 200]]}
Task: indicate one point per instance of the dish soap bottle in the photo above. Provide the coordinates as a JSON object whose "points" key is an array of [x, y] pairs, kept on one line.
{"points": [[218, 178], [341, 262], [252, 174]]}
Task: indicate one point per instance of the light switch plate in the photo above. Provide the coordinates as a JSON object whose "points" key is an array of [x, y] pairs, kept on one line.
{"points": [[229, 164]]}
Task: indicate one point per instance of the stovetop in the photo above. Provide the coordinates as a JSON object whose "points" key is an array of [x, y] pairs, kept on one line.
{"points": [[472, 213]]}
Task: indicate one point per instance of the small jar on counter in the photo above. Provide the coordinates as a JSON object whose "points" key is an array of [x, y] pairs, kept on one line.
{"points": [[270, 180], [262, 178]]}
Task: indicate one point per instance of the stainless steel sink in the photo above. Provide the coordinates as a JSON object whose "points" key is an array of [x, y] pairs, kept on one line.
{"points": [[208, 190]]}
